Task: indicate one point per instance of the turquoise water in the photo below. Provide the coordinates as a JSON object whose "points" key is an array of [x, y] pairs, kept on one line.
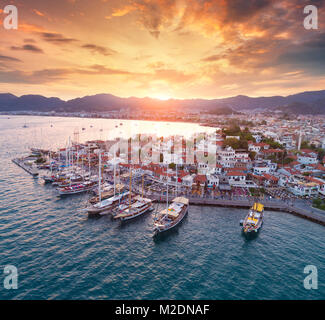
{"points": [[61, 254]]}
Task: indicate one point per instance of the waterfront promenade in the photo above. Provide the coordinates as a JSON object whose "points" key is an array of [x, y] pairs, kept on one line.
{"points": [[274, 204]]}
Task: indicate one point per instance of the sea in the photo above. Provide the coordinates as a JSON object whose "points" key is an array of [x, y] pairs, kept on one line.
{"points": [[60, 253]]}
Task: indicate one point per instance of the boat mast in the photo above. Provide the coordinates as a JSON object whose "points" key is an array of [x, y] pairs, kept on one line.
{"points": [[83, 169], [167, 190], [89, 159], [114, 171], [50, 162], [130, 188], [142, 184], [99, 176], [69, 153], [66, 156], [176, 181]]}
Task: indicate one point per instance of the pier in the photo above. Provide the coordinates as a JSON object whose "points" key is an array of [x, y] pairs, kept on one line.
{"points": [[32, 171], [246, 204]]}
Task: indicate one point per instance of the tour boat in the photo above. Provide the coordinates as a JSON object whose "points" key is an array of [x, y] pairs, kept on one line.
{"points": [[106, 193], [141, 206], [254, 219], [171, 216], [73, 180], [78, 188], [107, 205]]}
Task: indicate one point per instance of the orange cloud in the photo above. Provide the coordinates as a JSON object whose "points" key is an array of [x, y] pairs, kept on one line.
{"points": [[38, 13]]}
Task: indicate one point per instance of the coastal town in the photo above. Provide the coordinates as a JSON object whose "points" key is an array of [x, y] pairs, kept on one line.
{"points": [[269, 158]]}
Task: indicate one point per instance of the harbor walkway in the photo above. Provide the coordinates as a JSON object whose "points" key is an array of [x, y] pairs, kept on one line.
{"points": [[275, 205]]}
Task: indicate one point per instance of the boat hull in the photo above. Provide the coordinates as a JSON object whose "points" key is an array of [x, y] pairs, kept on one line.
{"points": [[69, 193], [158, 230], [136, 215], [92, 212]]}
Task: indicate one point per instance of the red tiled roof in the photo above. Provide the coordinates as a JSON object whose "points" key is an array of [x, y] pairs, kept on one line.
{"points": [[320, 167], [307, 151], [311, 179], [236, 174], [201, 178], [270, 177]]}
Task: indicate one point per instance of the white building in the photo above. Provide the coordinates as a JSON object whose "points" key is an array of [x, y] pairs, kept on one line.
{"points": [[304, 189], [212, 180]]}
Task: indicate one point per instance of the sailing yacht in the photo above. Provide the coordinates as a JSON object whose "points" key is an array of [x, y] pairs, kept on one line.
{"points": [[107, 192], [78, 188], [105, 206], [173, 214], [139, 206]]}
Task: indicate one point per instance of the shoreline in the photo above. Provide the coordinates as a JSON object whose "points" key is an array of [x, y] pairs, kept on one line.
{"points": [[106, 118]]}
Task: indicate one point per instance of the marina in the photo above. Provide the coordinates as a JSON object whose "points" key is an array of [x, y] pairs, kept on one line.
{"points": [[167, 153], [32, 215]]}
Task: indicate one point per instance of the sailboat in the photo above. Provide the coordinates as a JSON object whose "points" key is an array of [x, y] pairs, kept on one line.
{"points": [[136, 209], [80, 187], [49, 178], [105, 206], [173, 214]]}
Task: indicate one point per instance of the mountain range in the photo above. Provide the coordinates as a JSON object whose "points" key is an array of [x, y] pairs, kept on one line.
{"points": [[311, 102]]}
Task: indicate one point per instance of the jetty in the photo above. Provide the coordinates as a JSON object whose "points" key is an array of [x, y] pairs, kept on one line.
{"points": [[20, 163], [246, 204]]}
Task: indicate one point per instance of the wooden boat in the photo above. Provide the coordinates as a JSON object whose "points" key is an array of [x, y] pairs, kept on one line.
{"points": [[171, 216], [78, 188], [138, 208], [254, 219], [107, 193], [106, 206]]}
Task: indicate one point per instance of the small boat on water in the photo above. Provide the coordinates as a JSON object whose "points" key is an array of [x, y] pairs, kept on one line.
{"points": [[78, 188], [49, 178], [107, 205], [254, 219], [139, 207], [171, 216], [106, 193]]}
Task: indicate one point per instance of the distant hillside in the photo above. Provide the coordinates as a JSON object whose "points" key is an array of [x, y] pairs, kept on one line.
{"points": [[317, 107], [312, 102], [9, 102]]}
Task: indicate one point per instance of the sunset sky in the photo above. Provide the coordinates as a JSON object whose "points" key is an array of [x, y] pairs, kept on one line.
{"points": [[162, 48]]}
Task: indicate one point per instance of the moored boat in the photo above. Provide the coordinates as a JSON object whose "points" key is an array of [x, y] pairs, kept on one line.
{"points": [[254, 219], [139, 207], [106, 192], [170, 217], [78, 188], [107, 205]]}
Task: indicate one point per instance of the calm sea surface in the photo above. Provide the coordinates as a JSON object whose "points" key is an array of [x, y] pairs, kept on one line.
{"points": [[61, 254]]}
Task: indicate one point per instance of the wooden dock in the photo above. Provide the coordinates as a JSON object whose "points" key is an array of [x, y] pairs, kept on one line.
{"points": [[20, 163], [246, 204]]}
